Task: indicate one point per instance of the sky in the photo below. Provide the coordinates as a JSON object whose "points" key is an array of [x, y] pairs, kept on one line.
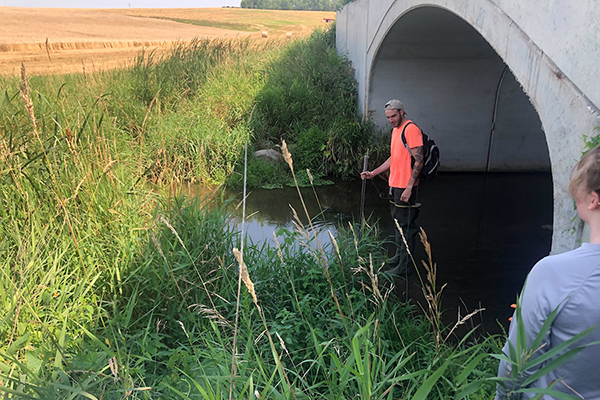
{"points": [[120, 3]]}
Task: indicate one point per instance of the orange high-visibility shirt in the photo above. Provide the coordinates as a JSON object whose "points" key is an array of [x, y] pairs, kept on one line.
{"points": [[400, 168]]}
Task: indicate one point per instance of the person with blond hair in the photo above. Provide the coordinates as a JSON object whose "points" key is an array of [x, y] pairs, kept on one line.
{"points": [[570, 283]]}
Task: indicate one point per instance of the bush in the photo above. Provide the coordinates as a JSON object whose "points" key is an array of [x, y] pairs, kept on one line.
{"points": [[309, 150], [309, 99]]}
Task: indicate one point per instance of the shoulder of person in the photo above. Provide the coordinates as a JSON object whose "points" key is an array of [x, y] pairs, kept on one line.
{"points": [[412, 128], [556, 261], [560, 259], [556, 271], [413, 134]]}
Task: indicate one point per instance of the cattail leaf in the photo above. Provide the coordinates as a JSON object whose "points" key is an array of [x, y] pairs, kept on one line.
{"points": [[463, 392], [545, 329], [400, 364], [561, 347], [512, 353], [357, 356], [502, 357], [424, 390], [521, 341], [469, 368], [552, 365]]}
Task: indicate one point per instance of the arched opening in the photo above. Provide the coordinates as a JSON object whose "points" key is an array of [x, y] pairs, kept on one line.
{"points": [[490, 218], [458, 88]]}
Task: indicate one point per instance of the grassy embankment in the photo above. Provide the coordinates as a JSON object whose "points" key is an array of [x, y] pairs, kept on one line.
{"points": [[111, 288]]}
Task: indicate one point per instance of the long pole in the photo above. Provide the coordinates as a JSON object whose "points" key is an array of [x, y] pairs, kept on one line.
{"points": [[364, 187]]}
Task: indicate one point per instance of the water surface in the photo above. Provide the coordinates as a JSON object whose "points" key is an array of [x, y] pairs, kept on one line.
{"points": [[486, 232]]}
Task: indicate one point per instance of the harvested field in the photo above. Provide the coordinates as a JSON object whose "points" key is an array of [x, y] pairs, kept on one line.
{"points": [[54, 41]]}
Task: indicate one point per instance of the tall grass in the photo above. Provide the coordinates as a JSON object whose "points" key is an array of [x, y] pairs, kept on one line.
{"points": [[69, 229], [309, 99], [112, 288], [187, 113]]}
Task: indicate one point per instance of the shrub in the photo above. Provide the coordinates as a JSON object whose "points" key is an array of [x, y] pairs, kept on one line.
{"points": [[309, 99]]}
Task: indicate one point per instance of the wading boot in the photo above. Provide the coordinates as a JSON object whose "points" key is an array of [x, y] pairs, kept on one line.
{"points": [[406, 217], [400, 270], [393, 261]]}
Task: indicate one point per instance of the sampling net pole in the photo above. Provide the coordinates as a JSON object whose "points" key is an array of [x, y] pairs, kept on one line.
{"points": [[237, 310], [364, 187]]}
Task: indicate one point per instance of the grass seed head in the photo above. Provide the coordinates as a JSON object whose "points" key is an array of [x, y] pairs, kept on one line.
{"points": [[310, 178], [286, 155], [245, 275], [26, 97]]}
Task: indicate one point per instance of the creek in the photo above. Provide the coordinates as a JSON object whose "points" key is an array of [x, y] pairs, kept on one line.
{"points": [[486, 232]]}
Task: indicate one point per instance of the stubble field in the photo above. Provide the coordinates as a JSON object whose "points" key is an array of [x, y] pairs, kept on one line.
{"points": [[56, 41]]}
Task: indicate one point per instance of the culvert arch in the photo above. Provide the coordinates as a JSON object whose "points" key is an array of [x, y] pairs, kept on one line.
{"points": [[447, 60]]}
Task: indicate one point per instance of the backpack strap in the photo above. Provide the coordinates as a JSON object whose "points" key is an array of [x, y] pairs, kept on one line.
{"points": [[403, 137]]}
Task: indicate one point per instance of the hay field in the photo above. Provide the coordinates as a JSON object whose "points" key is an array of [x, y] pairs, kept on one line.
{"points": [[55, 41]]}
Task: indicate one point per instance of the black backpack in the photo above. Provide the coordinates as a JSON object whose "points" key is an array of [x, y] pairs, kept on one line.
{"points": [[431, 155]]}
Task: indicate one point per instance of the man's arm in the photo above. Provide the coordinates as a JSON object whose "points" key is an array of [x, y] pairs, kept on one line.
{"points": [[382, 168], [418, 154]]}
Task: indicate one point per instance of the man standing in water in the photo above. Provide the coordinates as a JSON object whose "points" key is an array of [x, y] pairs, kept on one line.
{"points": [[403, 182]]}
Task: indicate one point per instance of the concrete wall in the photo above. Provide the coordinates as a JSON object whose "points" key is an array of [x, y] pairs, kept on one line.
{"points": [[447, 73], [455, 87], [518, 141]]}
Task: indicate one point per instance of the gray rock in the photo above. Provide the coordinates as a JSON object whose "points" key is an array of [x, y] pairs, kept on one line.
{"points": [[269, 155]]}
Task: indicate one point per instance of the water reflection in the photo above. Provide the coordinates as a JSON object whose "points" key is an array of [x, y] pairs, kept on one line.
{"points": [[486, 231], [271, 210]]}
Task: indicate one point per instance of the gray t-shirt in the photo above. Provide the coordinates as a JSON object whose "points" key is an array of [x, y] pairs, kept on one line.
{"points": [[571, 280]]}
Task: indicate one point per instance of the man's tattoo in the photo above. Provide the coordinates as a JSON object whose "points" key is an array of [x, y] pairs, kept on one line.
{"points": [[418, 162]]}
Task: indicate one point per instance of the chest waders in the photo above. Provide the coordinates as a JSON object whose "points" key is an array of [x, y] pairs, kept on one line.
{"points": [[405, 214]]}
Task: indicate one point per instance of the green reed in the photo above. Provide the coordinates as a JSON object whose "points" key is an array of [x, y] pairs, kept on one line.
{"points": [[113, 288]]}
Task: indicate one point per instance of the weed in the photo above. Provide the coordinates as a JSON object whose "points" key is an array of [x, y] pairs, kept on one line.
{"points": [[309, 101], [112, 288]]}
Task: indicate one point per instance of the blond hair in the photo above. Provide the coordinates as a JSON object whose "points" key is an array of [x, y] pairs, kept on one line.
{"points": [[586, 173]]}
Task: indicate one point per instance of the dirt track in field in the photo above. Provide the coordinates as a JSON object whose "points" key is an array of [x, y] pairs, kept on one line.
{"points": [[54, 41]]}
